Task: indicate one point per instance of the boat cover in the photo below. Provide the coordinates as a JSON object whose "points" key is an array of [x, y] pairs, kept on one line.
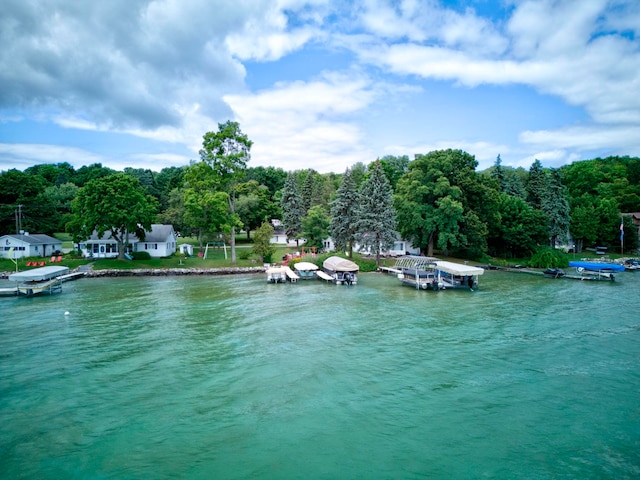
{"points": [[39, 274], [305, 266], [338, 264], [458, 268], [597, 266]]}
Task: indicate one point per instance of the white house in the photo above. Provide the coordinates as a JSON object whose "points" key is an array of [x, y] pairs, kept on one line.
{"points": [[160, 241], [27, 245], [400, 247]]}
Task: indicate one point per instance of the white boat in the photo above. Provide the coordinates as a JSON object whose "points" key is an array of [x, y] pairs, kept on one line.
{"points": [[306, 270], [276, 275], [457, 275], [341, 270], [40, 280], [416, 271]]}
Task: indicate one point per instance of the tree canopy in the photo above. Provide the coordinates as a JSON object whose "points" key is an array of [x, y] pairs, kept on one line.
{"points": [[117, 204]]}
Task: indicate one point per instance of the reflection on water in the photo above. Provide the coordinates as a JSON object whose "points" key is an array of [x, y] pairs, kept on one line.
{"points": [[231, 377]]}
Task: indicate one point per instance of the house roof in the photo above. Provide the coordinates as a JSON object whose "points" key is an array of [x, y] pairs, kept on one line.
{"points": [[158, 233], [35, 239]]}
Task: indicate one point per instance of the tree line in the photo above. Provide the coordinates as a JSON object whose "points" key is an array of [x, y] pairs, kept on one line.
{"points": [[437, 201]]}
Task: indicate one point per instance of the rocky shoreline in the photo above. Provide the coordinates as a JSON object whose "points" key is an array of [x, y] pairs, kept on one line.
{"points": [[162, 272], [165, 272]]}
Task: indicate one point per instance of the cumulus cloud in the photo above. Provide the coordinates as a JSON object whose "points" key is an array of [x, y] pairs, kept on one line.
{"points": [[301, 124], [118, 64], [170, 70], [25, 155]]}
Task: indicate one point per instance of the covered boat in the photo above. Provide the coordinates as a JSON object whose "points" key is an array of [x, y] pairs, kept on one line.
{"points": [[306, 270], [457, 275], [342, 271], [417, 271], [596, 270], [39, 280]]}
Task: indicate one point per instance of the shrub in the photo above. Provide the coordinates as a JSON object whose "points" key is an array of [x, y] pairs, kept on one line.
{"points": [[141, 255], [548, 257]]}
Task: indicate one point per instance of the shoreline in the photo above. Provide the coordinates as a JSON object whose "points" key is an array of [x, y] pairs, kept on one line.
{"points": [[162, 272], [166, 272]]}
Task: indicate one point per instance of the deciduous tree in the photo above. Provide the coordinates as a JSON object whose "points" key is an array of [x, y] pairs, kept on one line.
{"points": [[227, 151], [117, 204]]}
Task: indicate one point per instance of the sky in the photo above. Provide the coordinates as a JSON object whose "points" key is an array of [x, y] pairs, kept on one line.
{"points": [[320, 84]]}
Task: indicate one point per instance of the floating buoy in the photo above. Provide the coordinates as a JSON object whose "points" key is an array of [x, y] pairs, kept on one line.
{"points": [[66, 313]]}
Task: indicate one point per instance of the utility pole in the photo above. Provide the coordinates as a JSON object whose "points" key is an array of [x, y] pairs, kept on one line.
{"points": [[19, 219]]}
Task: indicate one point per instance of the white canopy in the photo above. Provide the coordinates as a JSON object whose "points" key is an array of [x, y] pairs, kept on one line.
{"points": [[458, 268], [39, 274], [338, 264], [305, 266]]}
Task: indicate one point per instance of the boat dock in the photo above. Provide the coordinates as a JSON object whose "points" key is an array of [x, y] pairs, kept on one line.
{"points": [[291, 275], [324, 276]]}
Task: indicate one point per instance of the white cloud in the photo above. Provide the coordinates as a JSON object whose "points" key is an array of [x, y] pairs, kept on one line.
{"points": [[25, 155], [305, 124], [587, 138]]}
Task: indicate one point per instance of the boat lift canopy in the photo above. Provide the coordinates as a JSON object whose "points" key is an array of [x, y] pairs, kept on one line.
{"points": [[458, 268], [39, 274]]}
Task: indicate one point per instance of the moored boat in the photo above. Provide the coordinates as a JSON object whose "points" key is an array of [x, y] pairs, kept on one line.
{"points": [[306, 270], [596, 270], [276, 275], [341, 270], [39, 280]]}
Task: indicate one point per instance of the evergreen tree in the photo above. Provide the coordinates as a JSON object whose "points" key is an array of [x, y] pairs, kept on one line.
{"points": [[292, 208], [498, 174], [556, 208], [376, 219], [537, 185], [343, 214], [307, 191]]}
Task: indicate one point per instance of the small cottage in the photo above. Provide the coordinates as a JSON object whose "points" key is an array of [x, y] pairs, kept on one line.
{"points": [[160, 241], [29, 245]]}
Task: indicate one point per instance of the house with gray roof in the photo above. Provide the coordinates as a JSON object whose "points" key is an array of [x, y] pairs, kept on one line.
{"points": [[160, 241], [29, 245]]}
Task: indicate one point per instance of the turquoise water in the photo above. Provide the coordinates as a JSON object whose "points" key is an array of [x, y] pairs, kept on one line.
{"points": [[234, 378]]}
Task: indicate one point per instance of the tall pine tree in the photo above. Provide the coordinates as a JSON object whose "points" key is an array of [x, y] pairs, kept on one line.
{"points": [[292, 208], [344, 211], [376, 219]]}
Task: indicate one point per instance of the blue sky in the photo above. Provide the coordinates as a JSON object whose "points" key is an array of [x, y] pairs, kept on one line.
{"points": [[317, 83]]}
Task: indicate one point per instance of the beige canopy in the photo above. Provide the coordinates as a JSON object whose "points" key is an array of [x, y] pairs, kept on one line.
{"points": [[305, 266], [338, 264]]}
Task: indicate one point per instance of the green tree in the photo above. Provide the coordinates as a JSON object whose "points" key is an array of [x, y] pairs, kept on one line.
{"points": [[292, 208], [430, 208], [58, 198], [262, 245], [205, 207], [376, 217], [521, 229], [344, 211], [537, 185], [254, 205], [174, 212], [394, 168], [556, 207], [315, 227], [117, 204], [228, 151]]}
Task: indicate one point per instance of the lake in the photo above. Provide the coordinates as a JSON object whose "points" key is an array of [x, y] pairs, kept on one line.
{"points": [[233, 378]]}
